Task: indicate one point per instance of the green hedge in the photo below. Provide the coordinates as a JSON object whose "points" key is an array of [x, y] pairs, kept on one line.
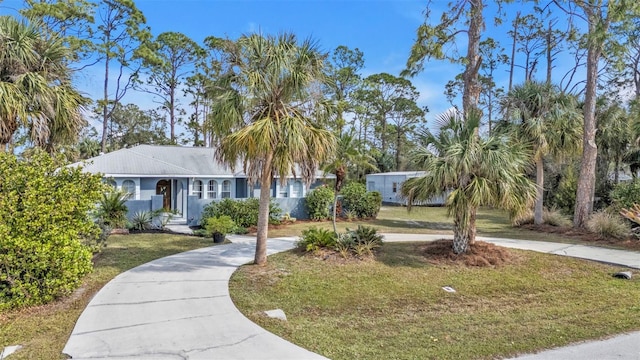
{"points": [[45, 228]]}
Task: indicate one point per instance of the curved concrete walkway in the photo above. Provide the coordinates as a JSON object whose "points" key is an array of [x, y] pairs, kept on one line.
{"points": [[179, 307]]}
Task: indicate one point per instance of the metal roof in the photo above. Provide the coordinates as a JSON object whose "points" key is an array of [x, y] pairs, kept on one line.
{"points": [[401, 173], [153, 160], [166, 161]]}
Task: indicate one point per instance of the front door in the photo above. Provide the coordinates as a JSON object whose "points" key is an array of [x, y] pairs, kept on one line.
{"points": [[163, 187]]}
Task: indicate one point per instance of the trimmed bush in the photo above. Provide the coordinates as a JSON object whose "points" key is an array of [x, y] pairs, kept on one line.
{"points": [[356, 199], [243, 212], [45, 228], [608, 225], [319, 201]]}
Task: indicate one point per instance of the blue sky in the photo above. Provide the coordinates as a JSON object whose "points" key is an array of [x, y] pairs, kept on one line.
{"points": [[383, 30]]}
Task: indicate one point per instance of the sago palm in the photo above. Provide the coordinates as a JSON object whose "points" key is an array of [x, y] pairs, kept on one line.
{"points": [[473, 171], [548, 120], [35, 89], [267, 116]]}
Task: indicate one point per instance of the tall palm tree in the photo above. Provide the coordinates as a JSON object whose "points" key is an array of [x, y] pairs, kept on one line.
{"points": [[475, 171], [35, 87], [346, 156], [267, 115], [550, 121]]}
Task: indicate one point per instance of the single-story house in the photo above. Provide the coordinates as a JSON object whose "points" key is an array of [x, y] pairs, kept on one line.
{"points": [[388, 185], [185, 180]]}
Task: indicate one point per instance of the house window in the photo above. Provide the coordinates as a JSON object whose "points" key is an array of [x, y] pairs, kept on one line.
{"points": [[197, 189], [284, 191], [226, 189], [111, 183], [129, 187], [213, 190], [395, 187], [296, 189]]}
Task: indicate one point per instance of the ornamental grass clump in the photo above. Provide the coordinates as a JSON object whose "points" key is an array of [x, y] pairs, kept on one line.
{"points": [[608, 225]]}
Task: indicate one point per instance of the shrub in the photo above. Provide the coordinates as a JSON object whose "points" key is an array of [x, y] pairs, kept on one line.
{"points": [[608, 225], [359, 242], [356, 198], [142, 220], [625, 194], [243, 212], [222, 224], [44, 220], [112, 209], [319, 201], [314, 239]]}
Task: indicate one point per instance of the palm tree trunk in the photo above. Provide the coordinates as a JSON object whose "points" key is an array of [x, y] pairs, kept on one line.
{"points": [[537, 218], [472, 225], [263, 213], [461, 233], [335, 205]]}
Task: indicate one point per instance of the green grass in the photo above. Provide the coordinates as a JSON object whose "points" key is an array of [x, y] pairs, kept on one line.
{"points": [[428, 220], [43, 331], [395, 308]]}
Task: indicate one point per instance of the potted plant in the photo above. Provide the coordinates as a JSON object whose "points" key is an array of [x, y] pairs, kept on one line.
{"points": [[219, 227]]}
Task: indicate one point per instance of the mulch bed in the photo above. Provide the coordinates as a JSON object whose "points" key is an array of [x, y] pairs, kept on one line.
{"points": [[480, 254], [631, 243]]}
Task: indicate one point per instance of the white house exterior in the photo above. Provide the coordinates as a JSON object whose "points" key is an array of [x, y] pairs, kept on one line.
{"points": [[388, 185], [184, 179]]}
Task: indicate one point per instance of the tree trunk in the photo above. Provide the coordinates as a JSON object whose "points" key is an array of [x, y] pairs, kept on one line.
{"points": [[263, 213], [172, 114], [105, 105], [460, 235], [471, 91], [549, 38], [537, 218], [335, 211], [587, 179], [472, 225], [398, 148]]}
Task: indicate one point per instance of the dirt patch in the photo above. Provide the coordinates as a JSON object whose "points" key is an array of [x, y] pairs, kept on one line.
{"points": [[480, 254], [631, 243]]}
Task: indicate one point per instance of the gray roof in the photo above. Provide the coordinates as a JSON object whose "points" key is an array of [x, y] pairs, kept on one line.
{"points": [[165, 161], [153, 160], [401, 173]]}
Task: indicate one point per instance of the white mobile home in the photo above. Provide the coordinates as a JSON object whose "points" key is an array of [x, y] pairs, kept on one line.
{"points": [[388, 185]]}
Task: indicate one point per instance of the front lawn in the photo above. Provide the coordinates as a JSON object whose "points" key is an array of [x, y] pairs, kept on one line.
{"points": [[395, 307], [43, 331]]}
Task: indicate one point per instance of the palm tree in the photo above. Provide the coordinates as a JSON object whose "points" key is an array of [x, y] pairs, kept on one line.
{"points": [[267, 115], [550, 121], [346, 155], [35, 88], [474, 170]]}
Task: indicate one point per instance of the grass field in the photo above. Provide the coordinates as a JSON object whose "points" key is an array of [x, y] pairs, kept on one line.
{"points": [[427, 220], [395, 307], [346, 310]]}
